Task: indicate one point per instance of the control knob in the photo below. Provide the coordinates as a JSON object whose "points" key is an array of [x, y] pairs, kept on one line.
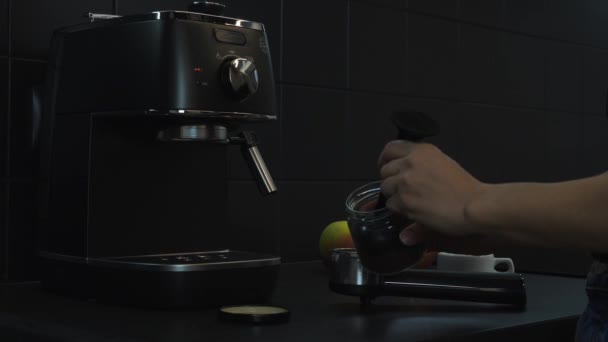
{"points": [[240, 77]]}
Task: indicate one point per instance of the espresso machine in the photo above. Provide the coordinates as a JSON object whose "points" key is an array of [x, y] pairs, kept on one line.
{"points": [[140, 112]]}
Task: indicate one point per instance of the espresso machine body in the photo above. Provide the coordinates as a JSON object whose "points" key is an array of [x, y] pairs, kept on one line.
{"points": [[139, 115]]}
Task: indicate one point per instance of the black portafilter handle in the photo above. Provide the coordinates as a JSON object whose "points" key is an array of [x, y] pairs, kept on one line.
{"points": [[486, 287], [495, 288], [207, 7], [349, 277], [411, 126]]}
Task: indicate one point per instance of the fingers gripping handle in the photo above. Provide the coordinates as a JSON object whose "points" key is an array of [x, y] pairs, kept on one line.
{"points": [[411, 126]]}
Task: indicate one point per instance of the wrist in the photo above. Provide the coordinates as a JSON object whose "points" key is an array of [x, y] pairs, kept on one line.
{"points": [[477, 211]]}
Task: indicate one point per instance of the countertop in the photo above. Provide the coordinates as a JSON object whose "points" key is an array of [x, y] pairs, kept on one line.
{"points": [[317, 314]]}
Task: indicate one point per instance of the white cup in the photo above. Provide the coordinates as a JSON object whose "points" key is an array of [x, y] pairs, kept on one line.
{"points": [[472, 263]]}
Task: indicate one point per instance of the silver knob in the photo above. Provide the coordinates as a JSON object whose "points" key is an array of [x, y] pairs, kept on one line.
{"points": [[241, 77]]}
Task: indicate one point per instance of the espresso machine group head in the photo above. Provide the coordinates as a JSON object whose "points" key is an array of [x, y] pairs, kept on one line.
{"points": [[139, 113]]}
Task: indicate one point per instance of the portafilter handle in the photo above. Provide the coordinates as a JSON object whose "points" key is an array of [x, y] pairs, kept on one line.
{"points": [[349, 277], [249, 147]]}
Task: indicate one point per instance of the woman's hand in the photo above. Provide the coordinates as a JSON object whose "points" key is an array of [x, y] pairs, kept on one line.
{"points": [[425, 185]]}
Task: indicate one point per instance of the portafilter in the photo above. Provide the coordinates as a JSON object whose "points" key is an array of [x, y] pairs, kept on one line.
{"points": [[349, 277]]}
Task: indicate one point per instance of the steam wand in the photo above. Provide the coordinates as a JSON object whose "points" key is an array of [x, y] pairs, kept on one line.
{"points": [[249, 147]]}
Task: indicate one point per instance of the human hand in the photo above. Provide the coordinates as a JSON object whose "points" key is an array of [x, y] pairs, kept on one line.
{"points": [[425, 185]]}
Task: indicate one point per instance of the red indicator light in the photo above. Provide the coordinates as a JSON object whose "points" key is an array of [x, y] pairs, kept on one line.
{"points": [[197, 69]]}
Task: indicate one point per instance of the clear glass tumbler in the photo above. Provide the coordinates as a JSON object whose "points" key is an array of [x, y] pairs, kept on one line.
{"points": [[375, 232]]}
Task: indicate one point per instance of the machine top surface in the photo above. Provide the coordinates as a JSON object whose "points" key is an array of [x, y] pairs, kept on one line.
{"points": [[177, 262], [166, 15]]}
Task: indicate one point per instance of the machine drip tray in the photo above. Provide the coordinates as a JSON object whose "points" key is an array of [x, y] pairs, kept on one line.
{"points": [[209, 278], [183, 262]]}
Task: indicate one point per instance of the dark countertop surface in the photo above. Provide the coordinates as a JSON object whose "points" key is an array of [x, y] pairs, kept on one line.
{"points": [[317, 314]]}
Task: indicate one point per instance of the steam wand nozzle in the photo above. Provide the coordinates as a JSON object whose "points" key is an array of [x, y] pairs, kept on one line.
{"points": [[249, 147]]}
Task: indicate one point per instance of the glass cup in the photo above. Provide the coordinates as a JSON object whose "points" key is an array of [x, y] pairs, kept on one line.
{"points": [[375, 232]]}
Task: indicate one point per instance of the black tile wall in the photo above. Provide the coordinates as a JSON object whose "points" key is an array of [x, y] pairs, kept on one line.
{"points": [[563, 77], [306, 209], [501, 145], [565, 19], [563, 133], [479, 67], [595, 80], [432, 62], [485, 12], [526, 16], [519, 88], [306, 51], [521, 71], [125, 7], [253, 219], [34, 21], [4, 16], [314, 145], [4, 117], [595, 144], [3, 219], [596, 31], [445, 8], [396, 4], [377, 48]]}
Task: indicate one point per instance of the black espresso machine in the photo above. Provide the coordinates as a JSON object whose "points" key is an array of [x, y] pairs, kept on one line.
{"points": [[139, 116]]}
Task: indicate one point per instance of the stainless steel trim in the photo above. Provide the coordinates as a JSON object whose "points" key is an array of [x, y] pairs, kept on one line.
{"points": [[346, 269], [101, 16], [113, 262], [184, 267], [214, 114], [170, 15], [63, 257], [444, 286], [262, 170], [211, 133]]}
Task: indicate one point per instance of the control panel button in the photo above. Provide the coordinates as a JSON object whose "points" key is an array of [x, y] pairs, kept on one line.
{"points": [[230, 37]]}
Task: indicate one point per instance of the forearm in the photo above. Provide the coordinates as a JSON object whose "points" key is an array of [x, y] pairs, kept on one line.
{"points": [[570, 214]]}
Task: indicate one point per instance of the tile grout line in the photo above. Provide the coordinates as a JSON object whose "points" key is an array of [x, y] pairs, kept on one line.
{"points": [[346, 117], [409, 96], [281, 39], [348, 38], [277, 213], [7, 183], [406, 51], [23, 59], [485, 26]]}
